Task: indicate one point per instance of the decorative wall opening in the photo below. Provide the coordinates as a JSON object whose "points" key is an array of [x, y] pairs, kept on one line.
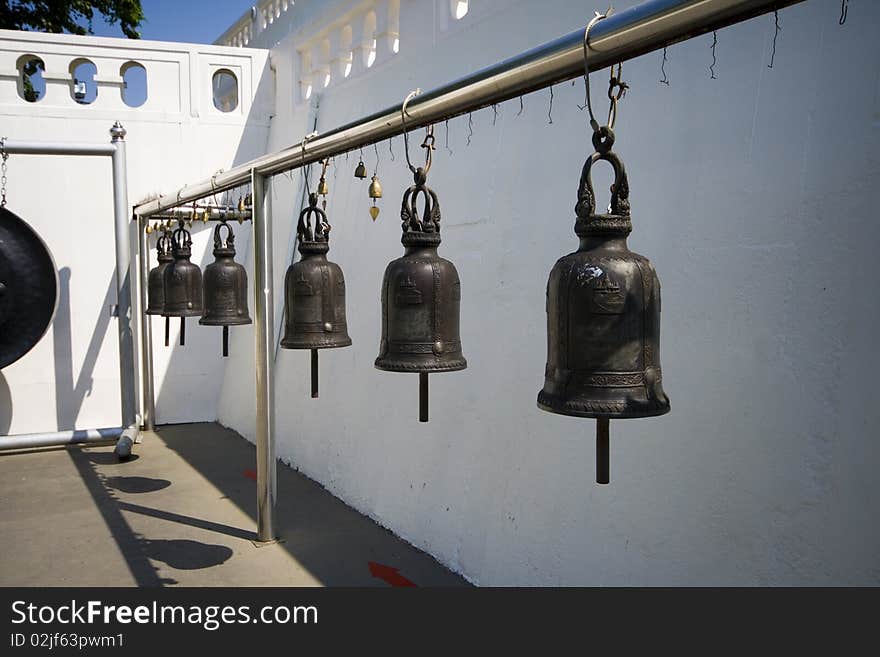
{"points": [[369, 39], [31, 85], [459, 8], [134, 84], [224, 86], [83, 88], [345, 62]]}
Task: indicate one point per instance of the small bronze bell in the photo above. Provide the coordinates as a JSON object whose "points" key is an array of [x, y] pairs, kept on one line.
{"points": [[360, 170], [314, 290], [375, 188], [603, 317], [183, 282], [323, 188], [225, 287], [421, 295], [156, 282]]}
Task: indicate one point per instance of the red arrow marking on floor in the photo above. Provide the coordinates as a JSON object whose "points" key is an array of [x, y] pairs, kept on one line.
{"points": [[388, 574], [250, 474]]}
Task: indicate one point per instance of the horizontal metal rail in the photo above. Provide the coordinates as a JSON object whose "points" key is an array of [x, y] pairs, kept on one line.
{"points": [[641, 29]]}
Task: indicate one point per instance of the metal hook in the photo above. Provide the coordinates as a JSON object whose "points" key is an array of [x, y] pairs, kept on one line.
{"points": [[665, 78], [550, 108], [844, 7], [521, 106], [712, 66], [376, 170], [403, 114], [775, 34], [596, 18], [470, 127], [447, 136]]}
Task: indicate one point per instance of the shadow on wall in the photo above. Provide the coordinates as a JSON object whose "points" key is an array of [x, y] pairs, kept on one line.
{"points": [[204, 343], [69, 396], [5, 406]]}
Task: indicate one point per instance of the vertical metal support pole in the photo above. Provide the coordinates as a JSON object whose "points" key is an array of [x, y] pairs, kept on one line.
{"points": [[149, 404], [264, 328], [127, 360]]}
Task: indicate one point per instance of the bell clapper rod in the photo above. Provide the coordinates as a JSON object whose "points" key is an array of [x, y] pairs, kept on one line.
{"points": [[314, 373], [225, 341], [423, 396], [622, 36], [603, 467], [182, 331], [167, 331]]}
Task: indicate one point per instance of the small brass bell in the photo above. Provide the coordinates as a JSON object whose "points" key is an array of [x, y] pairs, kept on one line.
{"points": [[156, 281], [323, 188], [148, 229], [360, 170], [375, 188], [314, 291], [603, 317], [225, 287], [183, 282], [421, 298]]}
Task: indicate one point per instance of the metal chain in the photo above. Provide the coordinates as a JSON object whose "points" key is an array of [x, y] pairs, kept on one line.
{"points": [[5, 156]]}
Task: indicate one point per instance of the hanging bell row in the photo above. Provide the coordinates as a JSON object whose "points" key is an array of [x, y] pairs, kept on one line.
{"points": [[176, 287]]}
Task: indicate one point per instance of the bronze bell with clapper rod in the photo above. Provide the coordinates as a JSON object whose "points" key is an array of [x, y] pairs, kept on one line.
{"points": [[603, 317], [225, 287], [183, 282], [421, 295], [156, 281], [314, 290]]}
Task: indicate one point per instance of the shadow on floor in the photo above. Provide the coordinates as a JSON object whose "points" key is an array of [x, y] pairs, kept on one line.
{"points": [[332, 541]]}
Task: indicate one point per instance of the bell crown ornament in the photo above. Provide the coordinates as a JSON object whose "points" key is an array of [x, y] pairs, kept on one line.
{"points": [[183, 279], [156, 277], [603, 312], [314, 288], [225, 284]]}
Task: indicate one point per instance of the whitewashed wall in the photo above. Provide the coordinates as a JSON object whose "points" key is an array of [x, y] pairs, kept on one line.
{"points": [[70, 379], [754, 194]]}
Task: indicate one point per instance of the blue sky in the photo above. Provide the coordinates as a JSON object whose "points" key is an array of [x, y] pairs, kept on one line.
{"points": [[193, 21]]}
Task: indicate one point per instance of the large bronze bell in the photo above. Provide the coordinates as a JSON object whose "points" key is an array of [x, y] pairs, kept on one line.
{"points": [[225, 287], [314, 291], [156, 281], [421, 295], [183, 282], [603, 317]]}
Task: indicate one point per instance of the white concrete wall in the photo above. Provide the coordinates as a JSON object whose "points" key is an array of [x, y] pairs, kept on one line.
{"points": [[70, 379], [754, 195]]}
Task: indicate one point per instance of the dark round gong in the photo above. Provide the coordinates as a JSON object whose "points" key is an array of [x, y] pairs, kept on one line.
{"points": [[28, 288]]}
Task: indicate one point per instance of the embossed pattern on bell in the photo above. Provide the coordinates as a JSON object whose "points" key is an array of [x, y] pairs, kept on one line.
{"points": [[421, 295], [225, 284], [603, 316], [314, 288], [183, 279]]}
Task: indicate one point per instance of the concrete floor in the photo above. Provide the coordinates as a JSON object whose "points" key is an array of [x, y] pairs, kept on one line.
{"points": [[182, 512]]}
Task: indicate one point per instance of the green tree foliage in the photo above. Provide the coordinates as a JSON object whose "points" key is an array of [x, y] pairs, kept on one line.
{"points": [[73, 16]]}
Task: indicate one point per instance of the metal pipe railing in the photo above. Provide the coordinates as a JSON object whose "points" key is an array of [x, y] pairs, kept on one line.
{"points": [[633, 32], [630, 33]]}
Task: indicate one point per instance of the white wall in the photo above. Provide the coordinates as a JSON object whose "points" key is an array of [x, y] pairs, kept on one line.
{"points": [[70, 379], [754, 196]]}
